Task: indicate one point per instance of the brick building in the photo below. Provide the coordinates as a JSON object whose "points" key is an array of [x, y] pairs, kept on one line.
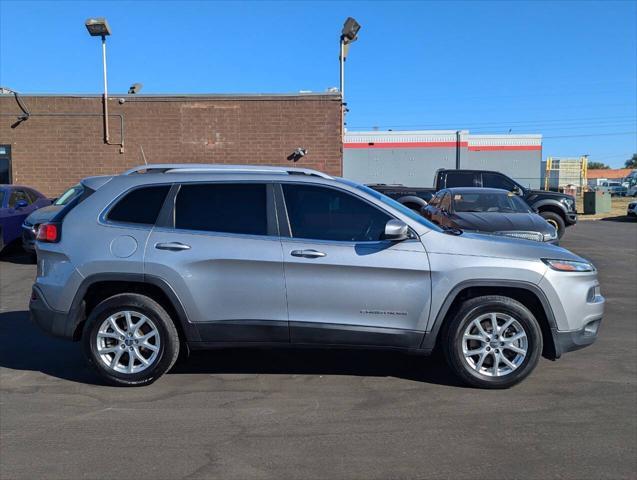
{"points": [[63, 138]]}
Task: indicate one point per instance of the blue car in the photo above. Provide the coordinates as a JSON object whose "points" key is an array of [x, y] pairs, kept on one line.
{"points": [[16, 203]]}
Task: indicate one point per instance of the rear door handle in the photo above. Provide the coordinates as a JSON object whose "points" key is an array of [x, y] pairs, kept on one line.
{"points": [[308, 253], [172, 246]]}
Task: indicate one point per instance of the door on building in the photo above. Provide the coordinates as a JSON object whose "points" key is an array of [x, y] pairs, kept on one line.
{"points": [[5, 164]]}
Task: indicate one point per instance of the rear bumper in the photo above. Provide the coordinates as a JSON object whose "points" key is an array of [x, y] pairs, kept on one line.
{"points": [[51, 322], [568, 341], [28, 239]]}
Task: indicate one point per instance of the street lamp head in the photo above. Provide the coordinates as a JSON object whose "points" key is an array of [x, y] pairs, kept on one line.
{"points": [[350, 30], [97, 27]]}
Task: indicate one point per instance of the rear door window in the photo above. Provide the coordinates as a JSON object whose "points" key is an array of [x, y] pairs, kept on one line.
{"points": [[323, 213], [140, 206], [495, 180], [32, 196], [223, 207], [18, 195], [462, 179]]}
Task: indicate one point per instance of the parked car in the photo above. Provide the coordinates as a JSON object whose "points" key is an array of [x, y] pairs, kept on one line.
{"points": [[170, 257], [43, 215], [631, 184], [556, 208], [615, 189], [16, 203], [412, 197], [488, 210], [631, 211]]}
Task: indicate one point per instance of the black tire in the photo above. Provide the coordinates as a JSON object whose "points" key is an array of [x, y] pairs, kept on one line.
{"points": [[168, 339], [556, 220], [452, 341]]}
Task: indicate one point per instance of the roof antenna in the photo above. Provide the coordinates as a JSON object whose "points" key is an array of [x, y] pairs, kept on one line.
{"points": [[143, 156]]}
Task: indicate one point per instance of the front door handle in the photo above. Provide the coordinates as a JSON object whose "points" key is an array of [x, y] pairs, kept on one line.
{"points": [[172, 246], [308, 253]]}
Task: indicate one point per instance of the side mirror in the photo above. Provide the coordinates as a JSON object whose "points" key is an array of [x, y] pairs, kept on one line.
{"points": [[396, 230], [21, 204]]}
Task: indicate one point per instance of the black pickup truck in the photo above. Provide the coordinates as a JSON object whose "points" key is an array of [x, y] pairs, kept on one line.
{"points": [[557, 208]]}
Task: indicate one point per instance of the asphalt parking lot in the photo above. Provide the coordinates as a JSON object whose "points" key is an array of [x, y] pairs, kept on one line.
{"points": [[325, 414]]}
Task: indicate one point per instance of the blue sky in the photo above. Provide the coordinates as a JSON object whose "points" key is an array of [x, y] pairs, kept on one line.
{"points": [[567, 69]]}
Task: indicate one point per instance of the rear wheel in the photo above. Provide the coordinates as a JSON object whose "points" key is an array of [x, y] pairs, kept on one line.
{"points": [[492, 342], [130, 340], [556, 220]]}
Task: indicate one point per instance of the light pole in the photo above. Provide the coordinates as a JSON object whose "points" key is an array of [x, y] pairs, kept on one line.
{"points": [[348, 35], [98, 27]]}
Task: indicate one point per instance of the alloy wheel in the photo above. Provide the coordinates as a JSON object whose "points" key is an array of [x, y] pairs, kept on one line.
{"points": [[494, 344], [128, 342]]}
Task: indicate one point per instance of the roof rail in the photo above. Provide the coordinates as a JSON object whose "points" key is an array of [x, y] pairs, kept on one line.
{"points": [[212, 168]]}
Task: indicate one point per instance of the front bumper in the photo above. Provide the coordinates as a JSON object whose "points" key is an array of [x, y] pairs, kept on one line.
{"points": [[571, 218], [567, 341], [50, 321]]}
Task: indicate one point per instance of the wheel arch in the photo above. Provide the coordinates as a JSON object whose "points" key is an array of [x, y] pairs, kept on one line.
{"points": [[529, 294], [550, 206], [99, 287]]}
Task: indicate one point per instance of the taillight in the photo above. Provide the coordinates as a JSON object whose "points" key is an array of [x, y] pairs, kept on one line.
{"points": [[48, 232]]}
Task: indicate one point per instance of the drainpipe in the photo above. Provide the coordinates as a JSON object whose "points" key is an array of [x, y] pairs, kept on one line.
{"points": [[457, 149]]}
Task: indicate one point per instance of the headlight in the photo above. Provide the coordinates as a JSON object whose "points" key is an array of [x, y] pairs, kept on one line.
{"points": [[569, 202], [547, 237], [569, 265]]}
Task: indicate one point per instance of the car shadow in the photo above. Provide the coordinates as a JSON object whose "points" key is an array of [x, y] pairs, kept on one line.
{"points": [[36, 351], [620, 218], [63, 359], [320, 361], [15, 254]]}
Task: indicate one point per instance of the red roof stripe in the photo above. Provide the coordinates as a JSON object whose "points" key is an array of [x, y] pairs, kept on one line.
{"points": [[403, 145], [439, 145], [506, 147]]}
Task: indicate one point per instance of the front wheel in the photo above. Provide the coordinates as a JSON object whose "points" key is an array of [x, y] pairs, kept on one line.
{"points": [[492, 342], [556, 220], [130, 340]]}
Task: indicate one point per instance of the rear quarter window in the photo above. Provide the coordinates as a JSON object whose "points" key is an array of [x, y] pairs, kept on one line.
{"points": [[140, 206]]}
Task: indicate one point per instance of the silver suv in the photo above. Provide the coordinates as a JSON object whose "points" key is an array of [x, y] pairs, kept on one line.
{"points": [[166, 258]]}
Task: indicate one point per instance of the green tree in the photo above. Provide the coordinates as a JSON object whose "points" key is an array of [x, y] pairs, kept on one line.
{"points": [[631, 162], [597, 166]]}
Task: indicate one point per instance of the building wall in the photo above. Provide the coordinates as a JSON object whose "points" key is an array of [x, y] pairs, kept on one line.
{"points": [[523, 166], [412, 157], [62, 141], [414, 167]]}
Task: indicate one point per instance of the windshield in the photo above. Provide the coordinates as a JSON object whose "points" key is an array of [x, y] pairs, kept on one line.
{"points": [[393, 203], [489, 202], [69, 195]]}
